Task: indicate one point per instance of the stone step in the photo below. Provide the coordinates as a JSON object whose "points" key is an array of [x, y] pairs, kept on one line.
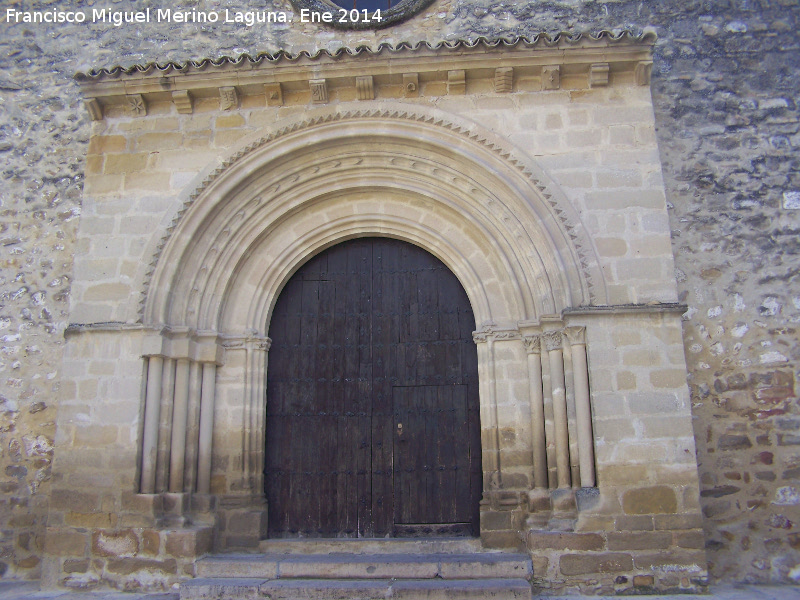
{"points": [[474, 565], [459, 545], [355, 589]]}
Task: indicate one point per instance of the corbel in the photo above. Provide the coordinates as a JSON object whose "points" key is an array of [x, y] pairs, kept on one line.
{"points": [[551, 77], [274, 93], [598, 75], [457, 82], [94, 109], [137, 105], [504, 80], [183, 101], [365, 89], [228, 98], [410, 85], [319, 91], [643, 72]]}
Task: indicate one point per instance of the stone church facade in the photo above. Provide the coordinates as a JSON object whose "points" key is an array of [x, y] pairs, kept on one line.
{"points": [[582, 191]]}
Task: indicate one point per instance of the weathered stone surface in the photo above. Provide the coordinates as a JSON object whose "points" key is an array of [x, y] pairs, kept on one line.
{"points": [[639, 541], [116, 544], [643, 501], [579, 564], [546, 540]]}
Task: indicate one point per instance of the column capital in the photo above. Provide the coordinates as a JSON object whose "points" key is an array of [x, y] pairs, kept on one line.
{"points": [[553, 340], [533, 343], [576, 335]]}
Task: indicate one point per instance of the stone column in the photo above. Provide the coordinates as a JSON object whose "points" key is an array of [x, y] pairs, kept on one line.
{"points": [[583, 409], [539, 443], [206, 428], [555, 355], [179, 422], [193, 426], [152, 409], [257, 358], [490, 441], [165, 426]]}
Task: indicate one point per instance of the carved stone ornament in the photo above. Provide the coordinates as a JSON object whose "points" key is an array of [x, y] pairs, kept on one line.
{"points": [[480, 337], [504, 80], [551, 77], [137, 105], [319, 91], [274, 93], [410, 85], [345, 19], [533, 343], [228, 98], [364, 88], [553, 340], [576, 335]]}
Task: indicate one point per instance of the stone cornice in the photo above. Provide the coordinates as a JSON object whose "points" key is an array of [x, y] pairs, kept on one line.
{"points": [[621, 309], [402, 71]]}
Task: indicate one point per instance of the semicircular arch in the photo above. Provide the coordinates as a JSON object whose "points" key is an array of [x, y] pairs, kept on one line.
{"points": [[484, 208]]}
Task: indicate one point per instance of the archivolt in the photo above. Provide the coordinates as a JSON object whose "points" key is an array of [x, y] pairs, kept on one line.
{"points": [[481, 206]]}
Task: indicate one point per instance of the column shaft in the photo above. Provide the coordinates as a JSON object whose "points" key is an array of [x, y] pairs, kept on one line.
{"points": [[152, 408], [179, 416], [206, 428]]}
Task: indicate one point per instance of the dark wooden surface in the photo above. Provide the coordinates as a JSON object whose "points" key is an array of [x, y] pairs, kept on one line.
{"points": [[372, 397]]}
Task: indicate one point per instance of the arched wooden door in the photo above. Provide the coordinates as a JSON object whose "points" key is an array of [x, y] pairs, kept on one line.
{"points": [[372, 397]]}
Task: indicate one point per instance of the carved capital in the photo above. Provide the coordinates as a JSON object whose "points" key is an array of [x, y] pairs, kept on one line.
{"points": [[480, 337], [488, 332], [533, 343], [553, 340], [576, 335]]}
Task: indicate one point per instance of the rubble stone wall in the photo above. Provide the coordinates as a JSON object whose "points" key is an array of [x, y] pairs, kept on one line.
{"points": [[725, 93]]}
